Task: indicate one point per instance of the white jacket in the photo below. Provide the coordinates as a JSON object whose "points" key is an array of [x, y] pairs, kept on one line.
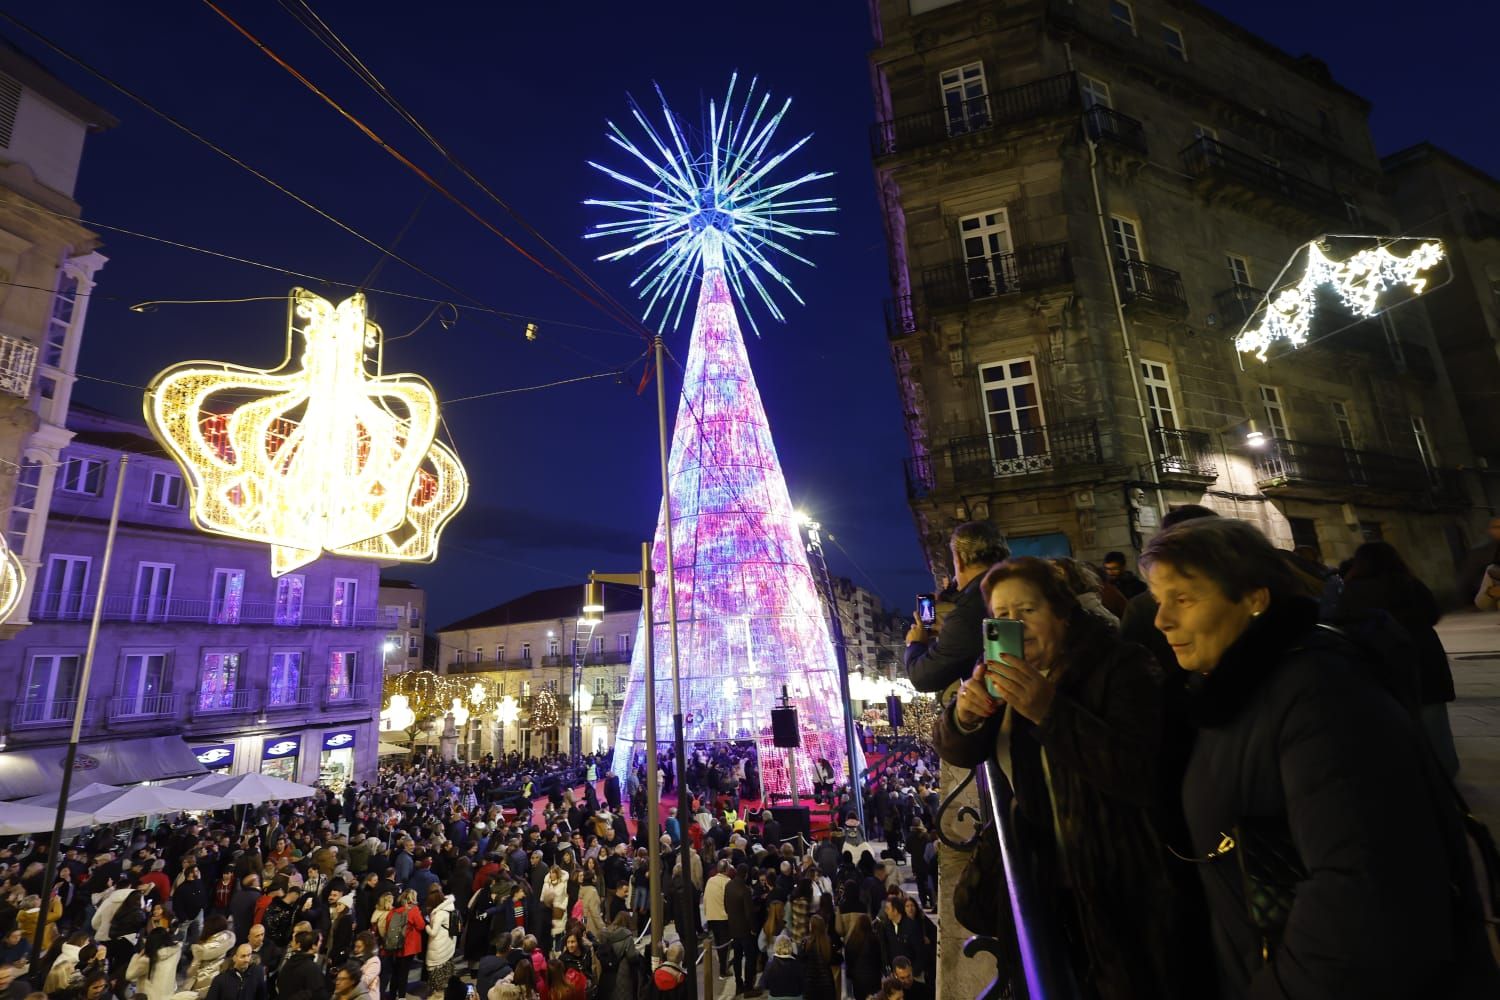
{"points": [[555, 895], [369, 975], [159, 983], [439, 942], [208, 961], [106, 913]]}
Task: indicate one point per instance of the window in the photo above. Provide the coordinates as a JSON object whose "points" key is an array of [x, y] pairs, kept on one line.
{"points": [[601, 686], [1126, 240], [1171, 37], [619, 683], [478, 654], [598, 646], [552, 685], [552, 646], [219, 680], [458, 656], [413, 644], [286, 675], [63, 591], [1159, 395], [63, 304], [1095, 92], [1013, 414], [153, 591], [1239, 270], [1371, 531], [526, 651], [166, 490], [1123, 14], [1270, 398], [227, 597], [525, 689], [345, 597], [23, 504], [83, 475], [1305, 532], [986, 245], [51, 686], [1201, 131], [143, 685], [1424, 443], [500, 653], [1343, 425], [622, 643], [289, 599], [964, 101], [341, 674]]}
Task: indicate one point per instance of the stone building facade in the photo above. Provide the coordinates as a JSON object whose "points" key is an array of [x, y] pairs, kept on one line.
{"points": [[404, 603], [48, 266], [197, 641], [527, 645], [1083, 203]]}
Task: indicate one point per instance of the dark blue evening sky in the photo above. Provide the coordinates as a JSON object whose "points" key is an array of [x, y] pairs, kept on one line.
{"points": [[564, 479]]}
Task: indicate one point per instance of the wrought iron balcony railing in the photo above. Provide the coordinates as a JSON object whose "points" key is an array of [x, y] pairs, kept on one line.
{"points": [[1056, 95], [281, 698], [962, 281], [17, 366], [1209, 157], [126, 608], [1152, 285], [1108, 125], [1184, 455], [347, 695], [41, 712], [142, 706], [1235, 304], [1285, 462], [225, 702], [1024, 451]]}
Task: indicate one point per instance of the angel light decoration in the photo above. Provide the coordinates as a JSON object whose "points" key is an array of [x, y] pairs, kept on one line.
{"points": [[319, 455]]}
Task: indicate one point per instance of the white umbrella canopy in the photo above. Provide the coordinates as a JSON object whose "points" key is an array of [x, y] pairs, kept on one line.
{"points": [[142, 800], [392, 750], [74, 794], [251, 789], [18, 817], [199, 783]]}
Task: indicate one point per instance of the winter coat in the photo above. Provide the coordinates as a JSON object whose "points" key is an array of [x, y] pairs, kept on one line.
{"points": [[1293, 730], [105, 914], [440, 943], [301, 978], [783, 977], [593, 914], [739, 909], [234, 985], [369, 975], [899, 939], [414, 925], [242, 912], [1407, 600], [554, 899], [158, 982], [26, 920], [1102, 740], [932, 666], [208, 961]]}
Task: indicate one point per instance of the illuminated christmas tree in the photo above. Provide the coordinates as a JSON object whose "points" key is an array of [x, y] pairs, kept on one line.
{"points": [[749, 618]]}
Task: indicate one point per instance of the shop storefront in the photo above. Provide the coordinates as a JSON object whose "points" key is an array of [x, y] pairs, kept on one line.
{"points": [[336, 767], [215, 756], [279, 755]]}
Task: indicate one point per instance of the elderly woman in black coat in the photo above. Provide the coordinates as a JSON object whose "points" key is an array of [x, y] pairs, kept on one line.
{"points": [[1304, 757], [1083, 709]]}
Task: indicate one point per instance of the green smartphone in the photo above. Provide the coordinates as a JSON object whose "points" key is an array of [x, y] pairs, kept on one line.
{"points": [[1001, 635]]}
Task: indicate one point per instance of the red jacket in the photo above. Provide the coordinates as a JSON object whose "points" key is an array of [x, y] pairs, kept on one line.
{"points": [[162, 884], [414, 926]]}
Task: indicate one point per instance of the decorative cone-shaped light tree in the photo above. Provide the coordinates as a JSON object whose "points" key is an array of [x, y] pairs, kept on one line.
{"points": [[749, 621]]}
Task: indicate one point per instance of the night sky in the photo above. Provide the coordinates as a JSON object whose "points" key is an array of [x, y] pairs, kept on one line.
{"points": [[564, 479]]}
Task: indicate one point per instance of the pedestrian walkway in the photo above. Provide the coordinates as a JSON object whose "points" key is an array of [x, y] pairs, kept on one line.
{"points": [[1472, 640]]}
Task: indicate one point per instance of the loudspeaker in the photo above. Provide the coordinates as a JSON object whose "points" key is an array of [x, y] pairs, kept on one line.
{"points": [[893, 711], [784, 729], [794, 820]]}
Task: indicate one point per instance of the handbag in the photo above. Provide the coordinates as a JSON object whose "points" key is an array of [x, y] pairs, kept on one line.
{"points": [[1269, 868]]}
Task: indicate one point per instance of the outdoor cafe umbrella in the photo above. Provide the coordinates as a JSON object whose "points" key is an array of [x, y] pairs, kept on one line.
{"points": [[251, 788], [18, 817], [142, 800], [87, 791]]}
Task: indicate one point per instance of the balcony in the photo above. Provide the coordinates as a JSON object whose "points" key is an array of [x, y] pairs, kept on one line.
{"points": [[1053, 96], [1255, 185], [1153, 287], [346, 697], [1285, 463], [1184, 456], [1107, 125], [958, 283], [127, 708], [41, 712], [225, 703], [1060, 448], [17, 366], [124, 608], [281, 699], [1236, 303]]}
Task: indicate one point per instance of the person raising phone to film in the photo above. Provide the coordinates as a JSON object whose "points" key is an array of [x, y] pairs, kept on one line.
{"points": [[1062, 697], [942, 652]]}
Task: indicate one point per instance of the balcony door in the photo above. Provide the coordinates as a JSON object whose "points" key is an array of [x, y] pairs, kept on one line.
{"points": [[51, 686], [63, 593], [965, 102], [1171, 449], [285, 679], [1345, 428], [1013, 417], [143, 684], [228, 596], [153, 591], [345, 597], [987, 253], [1125, 241]]}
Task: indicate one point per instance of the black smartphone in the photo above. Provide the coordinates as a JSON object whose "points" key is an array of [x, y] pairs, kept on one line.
{"points": [[927, 608], [1001, 635]]}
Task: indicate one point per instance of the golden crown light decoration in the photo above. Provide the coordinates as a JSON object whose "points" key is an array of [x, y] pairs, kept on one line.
{"points": [[323, 454], [12, 580]]}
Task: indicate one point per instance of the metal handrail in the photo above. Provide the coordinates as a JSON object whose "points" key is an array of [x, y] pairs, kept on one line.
{"points": [[128, 608], [1108, 125], [1049, 96], [1207, 154]]}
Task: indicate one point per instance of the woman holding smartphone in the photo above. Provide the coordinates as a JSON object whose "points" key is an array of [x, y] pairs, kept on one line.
{"points": [[1074, 717]]}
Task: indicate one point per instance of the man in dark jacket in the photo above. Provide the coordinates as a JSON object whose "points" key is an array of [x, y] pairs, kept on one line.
{"points": [[492, 968], [1119, 576], [243, 980], [937, 658], [301, 978], [242, 907], [739, 910]]}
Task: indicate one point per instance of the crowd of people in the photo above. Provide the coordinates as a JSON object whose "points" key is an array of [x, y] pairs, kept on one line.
{"points": [[1232, 775], [507, 880]]}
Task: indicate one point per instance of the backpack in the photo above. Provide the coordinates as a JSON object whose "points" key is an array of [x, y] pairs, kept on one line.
{"points": [[455, 924], [394, 938]]}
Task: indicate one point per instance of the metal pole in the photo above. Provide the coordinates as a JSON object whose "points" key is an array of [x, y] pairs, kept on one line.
{"points": [[79, 706], [815, 548], [653, 787], [688, 934]]}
